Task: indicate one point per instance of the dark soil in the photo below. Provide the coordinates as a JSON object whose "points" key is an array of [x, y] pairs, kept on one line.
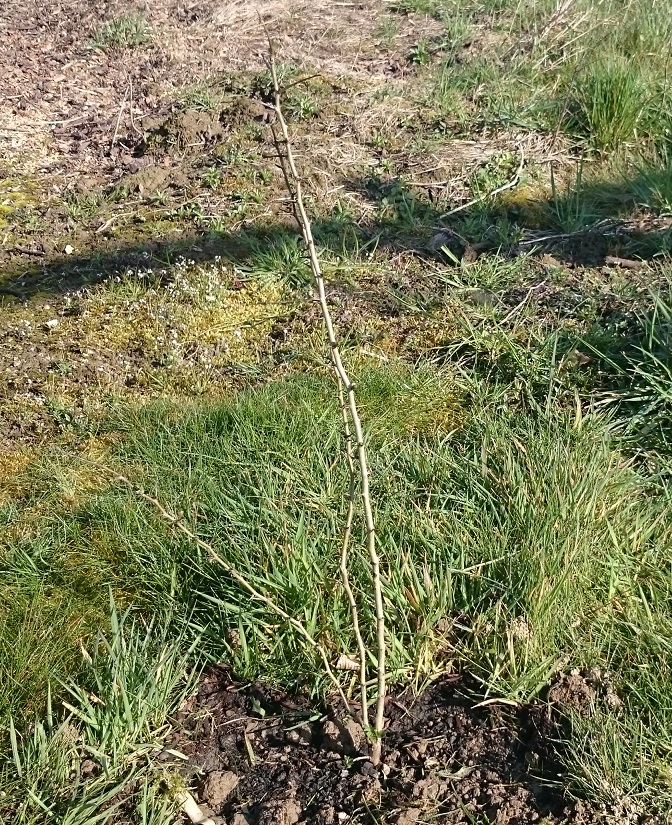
{"points": [[258, 756]]}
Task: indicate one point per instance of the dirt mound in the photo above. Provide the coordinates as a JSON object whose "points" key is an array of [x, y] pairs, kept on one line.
{"points": [[191, 131], [258, 756]]}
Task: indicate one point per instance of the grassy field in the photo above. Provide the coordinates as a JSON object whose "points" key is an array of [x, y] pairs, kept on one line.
{"points": [[492, 209]]}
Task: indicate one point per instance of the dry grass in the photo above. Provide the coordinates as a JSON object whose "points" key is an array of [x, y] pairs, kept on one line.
{"points": [[24, 142], [13, 464], [245, 16], [331, 36], [338, 38]]}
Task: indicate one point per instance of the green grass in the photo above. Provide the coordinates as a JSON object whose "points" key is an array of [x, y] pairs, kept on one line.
{"points": [[126, 32], [280, 260], [652, 181], [570, 210], [487, 518], [640, 368], [135, 675], [539, 69], [607, 104], [39, 631], [520, 460], [430, 7], [204, 96]]}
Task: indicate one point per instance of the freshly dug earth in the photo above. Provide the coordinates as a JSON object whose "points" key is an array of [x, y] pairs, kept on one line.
{"points": [[258, 756]]}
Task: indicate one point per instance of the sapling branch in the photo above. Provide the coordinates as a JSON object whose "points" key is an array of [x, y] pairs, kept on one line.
{"points": [[178, 524], [343, 567]]}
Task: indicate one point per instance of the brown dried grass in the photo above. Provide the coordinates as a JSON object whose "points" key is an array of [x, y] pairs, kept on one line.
{"points": [[249, 15], [335, 37]]}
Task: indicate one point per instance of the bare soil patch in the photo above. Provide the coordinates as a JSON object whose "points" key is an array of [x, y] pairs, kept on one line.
{"points": [[60, 85], [257, 755], [104, 144]]}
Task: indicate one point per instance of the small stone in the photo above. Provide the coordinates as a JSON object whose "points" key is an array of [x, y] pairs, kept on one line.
{"points": [[326, 814], [368, 769], [613, 700], [292, 813], [52, 324], [439, 240], [302, 735], [330, 730], [470, 254], [345, 738], [282, 812], [69, 249], [371, 792], [357, 734], [88, 768], [164, 756], [430, 789], [482, 297], [233, 638]]}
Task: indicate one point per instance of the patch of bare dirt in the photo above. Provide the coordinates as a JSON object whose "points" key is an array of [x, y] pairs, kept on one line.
{"points": [[582, 692], [83, 118], [59, 86], [257, 755]]}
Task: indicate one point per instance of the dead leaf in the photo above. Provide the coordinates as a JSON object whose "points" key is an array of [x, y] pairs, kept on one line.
{"points": [[347, 663]]}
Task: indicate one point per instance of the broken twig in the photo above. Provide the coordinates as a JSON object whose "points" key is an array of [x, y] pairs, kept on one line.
{"points": [[515, 180]]}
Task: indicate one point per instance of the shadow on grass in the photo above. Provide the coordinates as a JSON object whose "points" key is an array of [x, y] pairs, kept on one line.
{"points": [[405, 221], [581, 223]]}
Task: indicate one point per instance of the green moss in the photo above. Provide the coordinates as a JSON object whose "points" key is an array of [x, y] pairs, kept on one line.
{"points": [[15, 195]]}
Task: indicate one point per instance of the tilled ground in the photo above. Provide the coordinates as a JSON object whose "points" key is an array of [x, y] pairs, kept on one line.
{"points": [[257, 756], [75, 89]]}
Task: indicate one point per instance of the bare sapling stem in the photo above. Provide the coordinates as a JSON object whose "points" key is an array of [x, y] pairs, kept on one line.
{"points": [[345, 574], [354, 435]]}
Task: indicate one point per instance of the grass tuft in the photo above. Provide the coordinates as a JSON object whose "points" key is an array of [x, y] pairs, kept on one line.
{"points": [[134, 678], [652, 181], [607, 104], [126, 32]]}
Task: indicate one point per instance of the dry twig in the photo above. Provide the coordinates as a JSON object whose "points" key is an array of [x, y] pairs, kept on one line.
{"points": [[625, 263], [515, 180], [118, 123], [343, 567]]}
